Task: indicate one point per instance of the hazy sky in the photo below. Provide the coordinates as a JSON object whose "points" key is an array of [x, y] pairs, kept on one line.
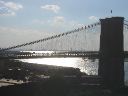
{"points": [[26, 20]]}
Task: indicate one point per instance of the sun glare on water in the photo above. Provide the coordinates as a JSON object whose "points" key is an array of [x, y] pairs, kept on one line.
{"points": [[66, 62], [85, 65]]}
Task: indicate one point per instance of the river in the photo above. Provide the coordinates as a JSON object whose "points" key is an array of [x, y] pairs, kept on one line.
{"points": [[89, 66]]}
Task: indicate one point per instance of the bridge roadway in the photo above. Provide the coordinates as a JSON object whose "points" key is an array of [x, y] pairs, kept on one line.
{"points": [[49, 54]]}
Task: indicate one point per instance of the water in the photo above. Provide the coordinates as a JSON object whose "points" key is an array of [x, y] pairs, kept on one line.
{"points": [[86, 65], [89, 66], [126, 71]]}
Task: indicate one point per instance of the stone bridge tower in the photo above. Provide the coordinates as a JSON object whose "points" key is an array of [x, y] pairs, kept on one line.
{"points": [[111, 62]]}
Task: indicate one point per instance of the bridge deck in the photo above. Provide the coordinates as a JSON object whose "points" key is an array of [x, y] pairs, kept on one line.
{"points": [[59, 54], [17, 55]]}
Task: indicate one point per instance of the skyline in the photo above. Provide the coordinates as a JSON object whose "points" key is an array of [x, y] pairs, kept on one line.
{"points": [[35, 19]]}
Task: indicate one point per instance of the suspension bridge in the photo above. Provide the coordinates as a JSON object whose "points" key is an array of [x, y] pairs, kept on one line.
{"points": [[81, 42], [73, 43], [103, 40]]}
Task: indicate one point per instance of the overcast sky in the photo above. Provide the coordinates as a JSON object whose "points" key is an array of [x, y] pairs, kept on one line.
{"points": [[25, 20]]}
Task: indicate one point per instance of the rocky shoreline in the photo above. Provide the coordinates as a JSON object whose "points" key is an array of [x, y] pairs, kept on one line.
{"points": [[56, 85], [11, 69]]}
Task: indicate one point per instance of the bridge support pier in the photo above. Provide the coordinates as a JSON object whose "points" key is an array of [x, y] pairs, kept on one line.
{"points": [[111, 61]]}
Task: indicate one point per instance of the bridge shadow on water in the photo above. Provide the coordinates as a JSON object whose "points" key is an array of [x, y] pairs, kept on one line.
{"points": [[62, 82]]}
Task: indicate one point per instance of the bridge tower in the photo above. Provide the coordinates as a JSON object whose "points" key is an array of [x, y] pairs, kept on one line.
{"points": [[111, 61]]}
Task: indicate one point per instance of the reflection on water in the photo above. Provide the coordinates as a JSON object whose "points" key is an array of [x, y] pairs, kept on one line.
{"points": [[86, 65], [70, 62]]}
